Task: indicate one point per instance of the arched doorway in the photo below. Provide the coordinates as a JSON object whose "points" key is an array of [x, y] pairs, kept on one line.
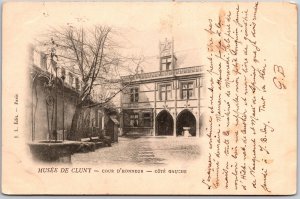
{"points": [[186, 119], [164, 123]]}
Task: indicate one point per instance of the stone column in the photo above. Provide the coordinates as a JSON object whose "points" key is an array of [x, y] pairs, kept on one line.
{"points": [[174, 124], [198, 125], [199, 110], [121, 123], [175, 111], [154, 112]]}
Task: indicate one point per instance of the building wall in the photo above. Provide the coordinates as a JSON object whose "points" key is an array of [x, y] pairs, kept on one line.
{"points": [[91, 121], [43, 115], [150, 101]]}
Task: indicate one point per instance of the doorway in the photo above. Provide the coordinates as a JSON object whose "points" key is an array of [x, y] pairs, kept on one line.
{"points": [[164, 123], [186, 119]]}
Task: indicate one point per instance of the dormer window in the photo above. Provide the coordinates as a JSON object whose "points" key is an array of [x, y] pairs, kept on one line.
{"points": [[166, 63]]}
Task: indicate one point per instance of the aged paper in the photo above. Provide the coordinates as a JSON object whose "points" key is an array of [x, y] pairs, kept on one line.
{"points": [[149, 98]]}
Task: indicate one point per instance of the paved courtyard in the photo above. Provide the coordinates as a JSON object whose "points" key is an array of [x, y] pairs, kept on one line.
{"points": [[144, 151]]}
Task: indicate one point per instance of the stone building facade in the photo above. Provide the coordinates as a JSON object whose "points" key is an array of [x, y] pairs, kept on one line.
{"points": [[168, 102]]}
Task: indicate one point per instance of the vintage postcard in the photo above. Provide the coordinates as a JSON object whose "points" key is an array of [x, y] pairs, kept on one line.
{"points": [[149, 98]]}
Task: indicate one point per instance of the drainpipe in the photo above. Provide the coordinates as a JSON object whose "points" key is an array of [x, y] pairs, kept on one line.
{"points": [[32, 112], [63, 106], [56, 90]]}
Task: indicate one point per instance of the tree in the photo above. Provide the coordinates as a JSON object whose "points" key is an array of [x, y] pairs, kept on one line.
{"points": [[93, 54]]}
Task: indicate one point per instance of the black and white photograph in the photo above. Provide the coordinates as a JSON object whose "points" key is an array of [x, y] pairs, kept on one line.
{"points": [[94, 87]]}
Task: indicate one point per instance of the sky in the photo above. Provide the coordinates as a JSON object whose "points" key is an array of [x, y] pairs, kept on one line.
{"points": [[141, 27]]}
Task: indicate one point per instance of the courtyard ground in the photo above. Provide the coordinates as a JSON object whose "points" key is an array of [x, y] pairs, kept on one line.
{"points": [[144, 151]]}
